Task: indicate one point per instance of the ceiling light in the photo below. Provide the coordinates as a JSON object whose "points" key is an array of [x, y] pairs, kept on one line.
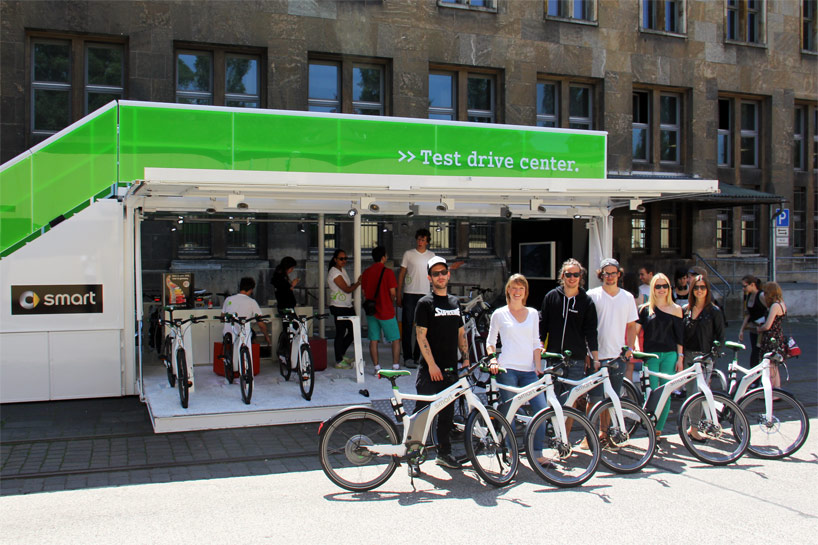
{"points": [[211, 210], [352, 212], [438, 229], [541, 208], [641, 208], [301, 228], [577, 216], [505, 212], [413, 210], [373, 207], [243, 206], [445, 204]]}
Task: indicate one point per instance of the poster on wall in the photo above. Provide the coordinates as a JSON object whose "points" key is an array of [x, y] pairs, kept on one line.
{"points": [[537, 260], [178, 289]]}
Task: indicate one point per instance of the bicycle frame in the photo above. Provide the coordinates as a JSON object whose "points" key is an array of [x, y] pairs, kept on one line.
{"points": [[740, 388], [297, 327], [241, 337], [582, 387], [676, 382], [416, 427], [178, 330]]}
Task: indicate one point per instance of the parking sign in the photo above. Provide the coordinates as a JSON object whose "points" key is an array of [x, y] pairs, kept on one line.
{"points": [[783, 218]]}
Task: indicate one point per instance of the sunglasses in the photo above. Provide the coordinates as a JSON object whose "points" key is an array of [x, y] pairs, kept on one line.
{"points": [[435, 274], [699, 288], [610, 274], [662, 286], [571, 275], [340, 259]]}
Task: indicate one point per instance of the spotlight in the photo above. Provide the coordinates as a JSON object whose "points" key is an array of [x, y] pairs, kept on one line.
{"points": [[441, 207], [445, 204], [180, 220], [172, 228], [505, 212], [243, 206], [577, 216], [373, 207], [413, 210], [301, 228], [352, 212], [211, 210], [541, 208], [641, 208]]}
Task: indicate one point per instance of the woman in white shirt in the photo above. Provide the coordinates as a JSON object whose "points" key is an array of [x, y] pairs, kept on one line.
{"points": [[519, 329], [340, 295]]}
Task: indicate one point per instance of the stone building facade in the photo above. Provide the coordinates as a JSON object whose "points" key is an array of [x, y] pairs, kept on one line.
{"points": [[724, 89]]}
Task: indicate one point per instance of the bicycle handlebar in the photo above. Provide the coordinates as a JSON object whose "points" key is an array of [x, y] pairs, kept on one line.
{"points": [[234, 319]]}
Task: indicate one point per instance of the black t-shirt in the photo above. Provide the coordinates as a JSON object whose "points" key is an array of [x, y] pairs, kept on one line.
{"points": [[663, 331], [440, 315], [285, 298]]}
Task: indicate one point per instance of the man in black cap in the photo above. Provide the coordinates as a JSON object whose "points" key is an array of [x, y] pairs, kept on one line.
{"points": [[440, 333]]}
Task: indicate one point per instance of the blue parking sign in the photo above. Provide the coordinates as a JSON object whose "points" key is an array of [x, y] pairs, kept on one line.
{"points": [[783, 218]]}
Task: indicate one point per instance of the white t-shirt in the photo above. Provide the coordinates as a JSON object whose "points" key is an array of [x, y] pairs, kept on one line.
{"points": [[644, 293], [417, 277], [519, 339], [241, 305], [337, 296], [613, 316]]}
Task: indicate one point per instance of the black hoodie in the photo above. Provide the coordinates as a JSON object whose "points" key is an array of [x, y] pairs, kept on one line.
{"points": [[569, 323]]}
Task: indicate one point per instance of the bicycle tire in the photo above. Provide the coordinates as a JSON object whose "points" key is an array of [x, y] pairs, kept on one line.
{"points": [[495, 462], [167, 358], [632, 450], [284, 354], [182, 378], [306, 372], [787, 431], [340, 448], [724, 441], [227, 358], [631, 392], [245, 374], [718, 381], [458, 434], [563, 464]]}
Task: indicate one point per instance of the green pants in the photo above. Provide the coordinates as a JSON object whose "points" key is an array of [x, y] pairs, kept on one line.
{"points": [[665, 363]]}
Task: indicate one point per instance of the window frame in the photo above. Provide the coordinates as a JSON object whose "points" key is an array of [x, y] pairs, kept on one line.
{"points": [[346, 65], [799, 220], [218, 70], [481, 238], [77, 78], [460, 83], [566, 10], [750, 220], [543, 119], [671, 128], [563, 86], [740, 12], [642, 126], [640, 230], [798, 138], [448, 230], [728, 132], [488, 5], [809, 27], [754, 133], [724, 231], [655, 21], [655, 128]]}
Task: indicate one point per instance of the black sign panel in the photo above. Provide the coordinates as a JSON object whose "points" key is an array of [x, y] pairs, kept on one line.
{"points": [[57, 299]]}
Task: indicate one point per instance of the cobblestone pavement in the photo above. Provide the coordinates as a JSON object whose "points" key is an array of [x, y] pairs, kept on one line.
{"points": [[65, 445]]}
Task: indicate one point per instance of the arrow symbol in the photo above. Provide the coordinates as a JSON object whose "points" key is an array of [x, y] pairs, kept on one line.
{"points": [[403, 156]]}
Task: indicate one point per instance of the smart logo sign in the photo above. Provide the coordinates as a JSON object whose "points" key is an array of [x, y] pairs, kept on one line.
{"points": [[57, 299]]}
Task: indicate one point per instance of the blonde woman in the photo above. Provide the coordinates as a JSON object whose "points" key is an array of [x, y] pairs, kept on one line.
{"points": [[771, 334], [661, 320]]}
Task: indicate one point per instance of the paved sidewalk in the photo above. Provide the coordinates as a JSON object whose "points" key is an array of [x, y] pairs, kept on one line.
{"points": [[64, 445]]}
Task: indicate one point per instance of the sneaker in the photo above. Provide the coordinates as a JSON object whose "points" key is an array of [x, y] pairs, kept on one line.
{"points": [[447, 460], [410, 364], [396, 367], [348, 360], [342, 365], [377, 368]]}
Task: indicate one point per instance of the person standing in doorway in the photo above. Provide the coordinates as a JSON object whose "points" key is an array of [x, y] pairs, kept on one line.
{"points": [[340, 293], [413, 284], [755, 314], [379, 283], [646, 272], [440, 333], [569, 320]]}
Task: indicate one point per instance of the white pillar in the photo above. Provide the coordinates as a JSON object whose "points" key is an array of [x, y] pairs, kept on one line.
{"points": [[322, 292], [356, 269], [600, 245]]}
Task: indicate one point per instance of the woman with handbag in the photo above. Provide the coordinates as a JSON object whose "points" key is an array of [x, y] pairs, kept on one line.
{"points": [[771, 333]]}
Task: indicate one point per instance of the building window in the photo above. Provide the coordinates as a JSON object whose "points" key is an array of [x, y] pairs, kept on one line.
{"points": [[799, 126], [724, 231], [667, 134], [241, 239], [663, 15], [482, 5], [641, 126], [461, 95], [443, 236], [749, 230], [799, 220], [481, 238], [348, 85], [725, 133], [579, 10], [194, 239], [219, 76], [62, 93], [815, 138], [809, 27], [580, 111], [749, 134], [746, 21], [639, 233], [669, 232], [372, 234], [329, 236], [547, 101]]}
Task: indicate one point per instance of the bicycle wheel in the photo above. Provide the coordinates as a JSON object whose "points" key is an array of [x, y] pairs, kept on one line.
{"points": [[284, 354], [182, 378], [630, 392], [306, 372], [458, 434], [167, 358], [784, 434], [563, 463], [495, 460], [245, 374], [718, 381], [628, 450], [342, 449], [227, 358], [722, 442]]}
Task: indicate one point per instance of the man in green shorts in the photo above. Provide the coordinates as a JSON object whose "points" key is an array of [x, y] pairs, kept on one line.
{"points": [[384, 321]]}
